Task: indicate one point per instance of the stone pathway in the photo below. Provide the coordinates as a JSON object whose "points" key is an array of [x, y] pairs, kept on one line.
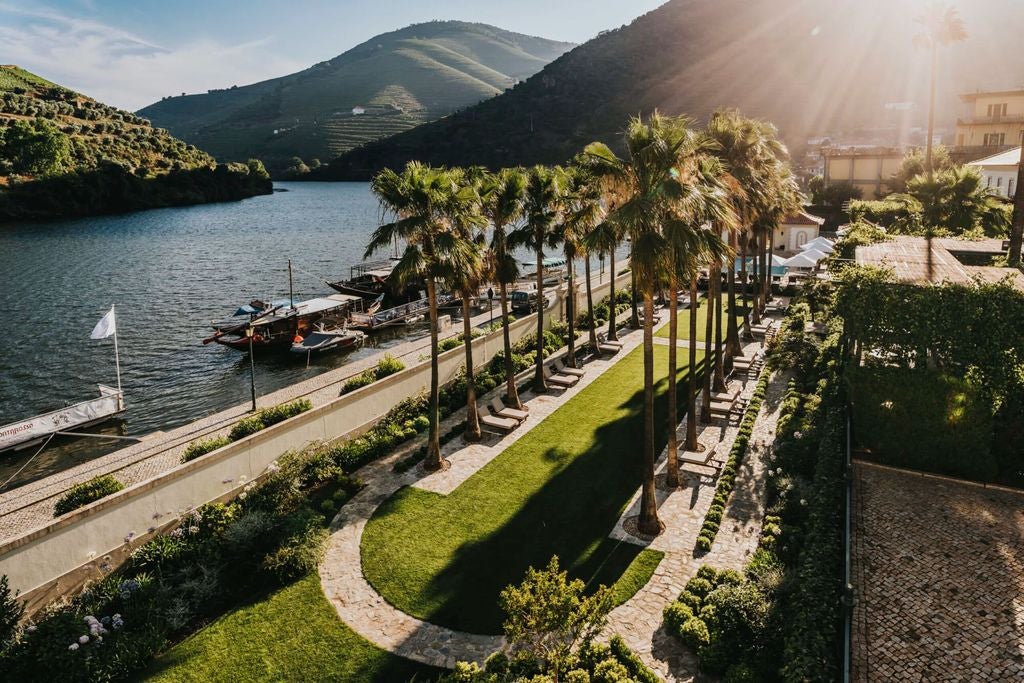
{"points": [[639, 619], [365, 610]]}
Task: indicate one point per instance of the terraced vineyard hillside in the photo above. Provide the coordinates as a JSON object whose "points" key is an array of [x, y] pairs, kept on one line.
{"points": [[65, 154], [387, 85]]}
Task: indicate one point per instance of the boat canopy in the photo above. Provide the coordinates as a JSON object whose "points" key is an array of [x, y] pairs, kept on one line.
{"points": [[248, 309], [549, 262], [324, 304]]}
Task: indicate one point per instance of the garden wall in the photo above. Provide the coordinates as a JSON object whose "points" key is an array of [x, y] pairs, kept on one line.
{"points": [[84, 544]]}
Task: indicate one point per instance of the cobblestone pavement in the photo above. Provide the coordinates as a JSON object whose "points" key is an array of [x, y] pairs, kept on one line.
{"points": [[639, 620], [938, 573], [30, 506], [365, 610]]}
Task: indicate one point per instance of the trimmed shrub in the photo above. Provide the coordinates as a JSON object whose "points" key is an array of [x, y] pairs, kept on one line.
{"points": [[694, 634], [87, 492], [675, 615], [202, 447], [268, 416], [386, 366]]}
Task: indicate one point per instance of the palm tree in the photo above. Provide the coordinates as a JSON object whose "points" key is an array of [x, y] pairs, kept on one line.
{"points": [[542, 203], [941, 25], [605, 239], [649, 185], [502, 199], [957, 199], [468, 223], [689, 245], [582, 213], [428, 205]]}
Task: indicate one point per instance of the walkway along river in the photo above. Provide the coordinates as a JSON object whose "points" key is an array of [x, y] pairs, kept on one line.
{"points": [[170, 271]]}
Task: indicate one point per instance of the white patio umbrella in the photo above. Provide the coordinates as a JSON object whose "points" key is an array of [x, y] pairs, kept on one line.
{"points": [[821, 244], [816, 254], [803, 260]]}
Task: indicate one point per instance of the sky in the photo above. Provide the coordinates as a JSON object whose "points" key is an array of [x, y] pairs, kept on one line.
{"points": [[132, 53]]}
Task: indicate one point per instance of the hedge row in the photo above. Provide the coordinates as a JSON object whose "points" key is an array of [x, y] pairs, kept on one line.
{"points": [[87, 492], [246, 427], [727, 479], [385, 367]]}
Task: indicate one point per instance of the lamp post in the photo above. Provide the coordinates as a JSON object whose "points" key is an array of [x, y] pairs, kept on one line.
{"points": [[490, 306], [252, 368]]}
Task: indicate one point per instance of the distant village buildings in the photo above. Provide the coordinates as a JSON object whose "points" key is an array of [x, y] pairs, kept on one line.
{"points": [[869, 169], [995, 119], [999, 171]]}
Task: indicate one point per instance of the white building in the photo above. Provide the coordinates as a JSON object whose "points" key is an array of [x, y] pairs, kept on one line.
{"points": [[358, 111], [999, 171], [796, 230]]}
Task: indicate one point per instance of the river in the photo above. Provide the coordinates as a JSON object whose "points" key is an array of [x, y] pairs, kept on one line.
{"points": [[170, 272]]}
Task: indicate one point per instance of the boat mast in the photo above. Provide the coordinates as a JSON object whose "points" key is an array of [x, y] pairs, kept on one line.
{"points": [[117, 354], [291, 288]]}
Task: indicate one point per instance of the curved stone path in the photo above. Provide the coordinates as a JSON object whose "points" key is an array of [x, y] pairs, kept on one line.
{"points": [[639, 620]]}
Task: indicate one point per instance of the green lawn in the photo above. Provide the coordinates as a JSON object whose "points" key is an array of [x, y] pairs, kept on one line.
{"points": [[292, 635], [557, 491], [683, 322]]}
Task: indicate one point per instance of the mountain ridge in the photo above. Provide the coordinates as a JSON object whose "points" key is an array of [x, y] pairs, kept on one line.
{"points": [[805, 65], [398, 79]]}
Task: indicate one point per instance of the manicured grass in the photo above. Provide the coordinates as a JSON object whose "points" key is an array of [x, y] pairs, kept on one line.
{"points": [[559, 490], [292, 635], [683, 321]]}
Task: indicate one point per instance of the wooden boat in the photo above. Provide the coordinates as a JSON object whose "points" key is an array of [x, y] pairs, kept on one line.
{"points": [[329, 335], [276, 324], [411, 312], [26, 433], [367, 280]]}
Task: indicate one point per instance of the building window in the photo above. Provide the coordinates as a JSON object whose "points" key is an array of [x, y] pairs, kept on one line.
{"points": [[994, 139], [1009, 187], [988, 181], [999, 181], [996, 110]]}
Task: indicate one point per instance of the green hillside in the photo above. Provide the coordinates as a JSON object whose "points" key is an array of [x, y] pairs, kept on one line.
{"points": [[399, 80], [65, 154], [808, 66]]}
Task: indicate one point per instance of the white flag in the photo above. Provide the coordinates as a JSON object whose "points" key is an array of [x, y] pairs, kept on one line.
{"points": [[105, 327]]}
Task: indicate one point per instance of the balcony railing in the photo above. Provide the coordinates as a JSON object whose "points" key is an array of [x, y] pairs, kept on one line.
{"points": [[990, 120]]}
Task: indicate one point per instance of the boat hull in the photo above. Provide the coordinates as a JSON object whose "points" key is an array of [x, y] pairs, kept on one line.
{"points": [[24, 434]]}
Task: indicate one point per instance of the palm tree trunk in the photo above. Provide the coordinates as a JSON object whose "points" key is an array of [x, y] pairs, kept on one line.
{"points": [[634, 320], [755, 298], [709, 353], [691, 378], [590, 305], [648, 523], [433, 461], [539, 385], [613, 334], [719, 379], [673, 409], [570, 313], [766, 271], [745, 329], [732, 336], [1017, 226], [472, 432], [511, 392]]}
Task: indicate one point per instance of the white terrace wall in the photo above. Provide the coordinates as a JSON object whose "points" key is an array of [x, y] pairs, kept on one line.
{"points": [[82, 545]]}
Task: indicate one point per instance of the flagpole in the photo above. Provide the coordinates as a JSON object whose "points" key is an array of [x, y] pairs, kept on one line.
{"points": [[117, 355]]}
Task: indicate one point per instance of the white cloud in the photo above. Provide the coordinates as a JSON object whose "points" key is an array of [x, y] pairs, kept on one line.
{"points": [[122, 69]]}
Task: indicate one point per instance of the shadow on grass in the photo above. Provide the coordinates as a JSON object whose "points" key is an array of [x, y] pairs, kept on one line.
{"points": [[569, 516]]}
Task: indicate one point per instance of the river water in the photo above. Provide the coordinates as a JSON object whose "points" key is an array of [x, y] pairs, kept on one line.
{"points": [[170, 272]]}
